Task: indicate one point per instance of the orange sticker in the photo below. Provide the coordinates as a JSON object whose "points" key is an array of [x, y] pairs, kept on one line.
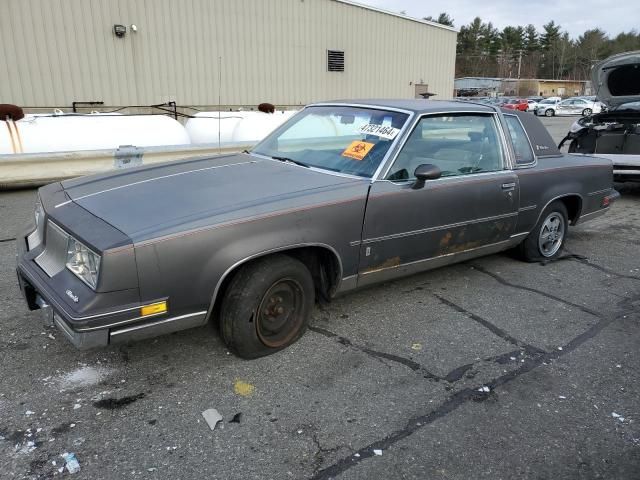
{"points": [[358, 150]]}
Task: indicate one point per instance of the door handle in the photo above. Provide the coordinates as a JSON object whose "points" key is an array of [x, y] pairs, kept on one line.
{"points": [[508, 186]]}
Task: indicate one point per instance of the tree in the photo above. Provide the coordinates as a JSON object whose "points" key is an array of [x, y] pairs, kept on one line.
{"points": [[531, 42], [482, 50], [624, 42], [589, 49], [550, 44], [550, 36], [443, 19], [478, 45]]}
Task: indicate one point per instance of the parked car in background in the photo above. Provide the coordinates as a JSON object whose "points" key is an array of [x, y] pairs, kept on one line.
{"points": [[516, 104], [532, 104], [545, 105], [615, 133], [571, 106], [332, 200]]}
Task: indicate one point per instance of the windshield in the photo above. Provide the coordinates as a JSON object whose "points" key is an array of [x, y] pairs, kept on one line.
{"points": [[343, 139], [548, 101]]}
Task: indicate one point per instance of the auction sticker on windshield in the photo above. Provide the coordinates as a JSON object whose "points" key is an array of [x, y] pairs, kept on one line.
{"points": [[379, 130], [358, 150]]}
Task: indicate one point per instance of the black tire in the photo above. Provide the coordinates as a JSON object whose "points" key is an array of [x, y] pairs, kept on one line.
{"points": [[549, 112], [266, 306], [534, 248], [586, 112]]}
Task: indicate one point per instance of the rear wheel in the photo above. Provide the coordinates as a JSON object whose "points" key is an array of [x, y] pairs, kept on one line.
{"points": [[546, 240], [586, 112], [266, 306], [549, 112]]}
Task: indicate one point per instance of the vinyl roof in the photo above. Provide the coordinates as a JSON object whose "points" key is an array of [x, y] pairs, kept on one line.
{"points": [[416, 105]]}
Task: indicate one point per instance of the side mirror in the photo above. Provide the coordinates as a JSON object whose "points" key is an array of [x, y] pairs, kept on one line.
{"points": [[424, 172]]}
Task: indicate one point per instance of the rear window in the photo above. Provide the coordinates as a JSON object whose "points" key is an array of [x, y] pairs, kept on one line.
{"points": [[521, 145]]}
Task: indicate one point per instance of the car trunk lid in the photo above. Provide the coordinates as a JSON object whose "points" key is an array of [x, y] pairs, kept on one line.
{"points": [[617, 79]]}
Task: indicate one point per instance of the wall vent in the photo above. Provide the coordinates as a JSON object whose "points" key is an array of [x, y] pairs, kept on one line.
{"points": [[335, 60]]}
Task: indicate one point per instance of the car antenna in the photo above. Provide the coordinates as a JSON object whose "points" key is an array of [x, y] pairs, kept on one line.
{"points": [[219, 105]]}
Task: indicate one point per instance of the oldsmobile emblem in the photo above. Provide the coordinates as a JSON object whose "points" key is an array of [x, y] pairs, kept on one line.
{"points": [[72, 296]]}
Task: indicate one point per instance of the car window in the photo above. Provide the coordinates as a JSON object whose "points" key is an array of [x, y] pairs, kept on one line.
{"points": [[459, 144], [345, 139], [521, 145]]}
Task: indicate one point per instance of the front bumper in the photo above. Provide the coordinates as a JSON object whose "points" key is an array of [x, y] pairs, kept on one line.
{"points": [[110, 313], [56, 315], [119, 322], [119, 326]]}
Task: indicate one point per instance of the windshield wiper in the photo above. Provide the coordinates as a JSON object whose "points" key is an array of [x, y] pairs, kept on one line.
{"points": [[290, 160]]}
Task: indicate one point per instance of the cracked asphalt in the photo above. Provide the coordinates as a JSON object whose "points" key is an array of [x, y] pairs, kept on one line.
{"points": [[492, 368]]}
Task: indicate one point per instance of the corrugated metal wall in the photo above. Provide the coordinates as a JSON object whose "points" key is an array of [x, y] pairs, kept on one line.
{"points": [[54, 52]]}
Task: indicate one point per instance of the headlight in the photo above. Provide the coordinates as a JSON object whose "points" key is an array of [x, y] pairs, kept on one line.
{"points": [[83, 262]]}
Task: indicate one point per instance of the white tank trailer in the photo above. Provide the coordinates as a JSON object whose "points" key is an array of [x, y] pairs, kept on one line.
{"points": [[62, 132], [234, 127]]}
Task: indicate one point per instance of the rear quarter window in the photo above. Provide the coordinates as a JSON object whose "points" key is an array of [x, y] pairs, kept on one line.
{"points": [[521, 145]]}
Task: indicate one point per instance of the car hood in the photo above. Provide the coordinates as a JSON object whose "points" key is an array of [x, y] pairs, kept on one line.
{"points": [[617, 79], [157, 200]]}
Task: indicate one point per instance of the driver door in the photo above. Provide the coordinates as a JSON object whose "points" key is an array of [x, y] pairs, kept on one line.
{"points": [[471, 209]]}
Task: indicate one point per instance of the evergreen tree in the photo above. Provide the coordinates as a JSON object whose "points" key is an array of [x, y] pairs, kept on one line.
{"points": [[443, 19], [482, 50]]}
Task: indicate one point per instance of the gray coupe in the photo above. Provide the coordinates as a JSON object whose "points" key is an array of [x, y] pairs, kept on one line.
{"points": [[343, 195]]}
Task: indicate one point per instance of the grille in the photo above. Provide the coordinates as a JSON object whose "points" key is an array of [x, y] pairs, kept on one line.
{"points": [[54, 257], [335, 60]]}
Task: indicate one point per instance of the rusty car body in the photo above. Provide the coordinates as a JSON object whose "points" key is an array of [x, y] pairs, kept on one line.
{"points": [[343, 195]]}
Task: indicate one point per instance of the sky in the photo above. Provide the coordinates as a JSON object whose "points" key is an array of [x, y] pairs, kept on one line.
{"points": [[574, 16]]}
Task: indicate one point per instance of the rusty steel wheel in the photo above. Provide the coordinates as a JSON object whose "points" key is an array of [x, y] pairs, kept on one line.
{"points": [[279, 316], [266, 306]]}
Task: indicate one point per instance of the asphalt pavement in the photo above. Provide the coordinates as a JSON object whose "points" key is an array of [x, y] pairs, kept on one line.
{"points": [[492, 368]]}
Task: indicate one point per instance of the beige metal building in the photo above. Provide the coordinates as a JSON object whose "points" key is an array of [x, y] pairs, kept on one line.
{"points": [[211, 52]]}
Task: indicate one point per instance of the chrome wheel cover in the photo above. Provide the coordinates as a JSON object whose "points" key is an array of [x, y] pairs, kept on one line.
{"points": [[551, 234]]}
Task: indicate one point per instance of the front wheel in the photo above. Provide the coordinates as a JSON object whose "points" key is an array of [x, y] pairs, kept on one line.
{"points": [[586, 112], [546, 240], [549, 113], [266, 306]]}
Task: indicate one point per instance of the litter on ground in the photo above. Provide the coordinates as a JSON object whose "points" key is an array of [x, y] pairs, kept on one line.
{"points": [[71, 462], [212, 417], [243, 388]]}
